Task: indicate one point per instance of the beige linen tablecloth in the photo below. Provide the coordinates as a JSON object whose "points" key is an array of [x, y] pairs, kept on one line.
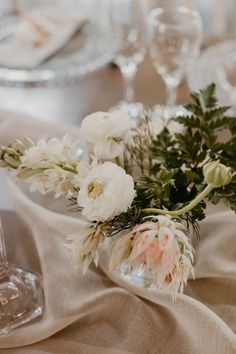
{"points": [[92, 314]]}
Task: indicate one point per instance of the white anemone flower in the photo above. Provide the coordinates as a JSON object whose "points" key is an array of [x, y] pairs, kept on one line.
{"points": [[107, 191], [106, 131]]}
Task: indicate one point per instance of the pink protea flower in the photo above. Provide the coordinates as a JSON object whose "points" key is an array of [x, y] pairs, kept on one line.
{"points": [[162, 248]]}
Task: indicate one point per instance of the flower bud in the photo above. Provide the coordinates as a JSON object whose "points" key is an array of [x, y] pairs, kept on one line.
{"points": [[217, 174], [9, 150], [2, 151], [9, 157], [11, 161], [28, 143], [3, 164], [18, 147]]}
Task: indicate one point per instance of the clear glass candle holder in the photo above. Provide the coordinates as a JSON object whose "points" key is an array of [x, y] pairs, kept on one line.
{"points": [[21, 293]]}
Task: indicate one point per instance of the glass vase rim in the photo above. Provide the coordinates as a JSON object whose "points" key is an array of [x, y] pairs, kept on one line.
{"points": [[182, 10]]}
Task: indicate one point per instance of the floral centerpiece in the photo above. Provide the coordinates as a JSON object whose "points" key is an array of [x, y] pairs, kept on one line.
{"points": [[144, 188]]}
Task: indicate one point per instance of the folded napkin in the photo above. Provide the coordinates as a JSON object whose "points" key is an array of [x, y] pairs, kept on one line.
{"points": [[92, 314], [40, 33]]}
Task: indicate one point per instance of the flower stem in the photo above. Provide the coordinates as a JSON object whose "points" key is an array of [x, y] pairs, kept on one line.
{"points": [[117, 161], [202, 103], [3, 258], [69, 169], [171, 95], [183, 210]]}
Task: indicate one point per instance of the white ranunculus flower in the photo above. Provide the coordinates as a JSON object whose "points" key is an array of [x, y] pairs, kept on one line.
{"points": [[106, 131], [107, 191]]}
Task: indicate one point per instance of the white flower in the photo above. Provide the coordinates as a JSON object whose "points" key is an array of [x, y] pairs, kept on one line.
{"points": [[107, 132], [54, 179], [53, 166], [46, 154], [49, 180], [120, 250], [84, 244], [82, 169], [107, 191]]}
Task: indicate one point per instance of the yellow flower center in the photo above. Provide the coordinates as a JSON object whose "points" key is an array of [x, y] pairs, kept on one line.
{"points": [[94, 189]]}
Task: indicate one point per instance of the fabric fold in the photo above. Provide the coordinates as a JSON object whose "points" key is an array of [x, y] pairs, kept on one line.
{"points": [[99, 312]]}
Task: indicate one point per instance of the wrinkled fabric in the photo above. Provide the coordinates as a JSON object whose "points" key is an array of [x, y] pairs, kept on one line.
{"points": [[99, 312]]}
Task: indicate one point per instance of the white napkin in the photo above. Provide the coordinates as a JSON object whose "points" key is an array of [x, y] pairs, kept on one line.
{"points": [[21, 51]]}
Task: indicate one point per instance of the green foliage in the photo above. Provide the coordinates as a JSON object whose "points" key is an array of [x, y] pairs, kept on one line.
{"points": [[228, 194], [171, 166], [123, 221], [200, 142]]}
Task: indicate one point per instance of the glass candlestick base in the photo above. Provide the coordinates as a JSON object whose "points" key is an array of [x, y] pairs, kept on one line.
{"points": [[168, 112], [135, 110], [21, 298]]}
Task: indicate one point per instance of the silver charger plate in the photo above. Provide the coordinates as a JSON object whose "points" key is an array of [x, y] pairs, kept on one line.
{"points": [[210, 68], [92, 47]]}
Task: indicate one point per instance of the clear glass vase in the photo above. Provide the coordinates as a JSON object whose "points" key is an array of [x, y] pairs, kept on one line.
{"points": [[21, 293], [139, 277]]}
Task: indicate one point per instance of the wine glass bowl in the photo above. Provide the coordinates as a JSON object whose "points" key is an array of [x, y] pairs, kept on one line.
{"points": [[127, 18], [174, 37], [131, 45]]}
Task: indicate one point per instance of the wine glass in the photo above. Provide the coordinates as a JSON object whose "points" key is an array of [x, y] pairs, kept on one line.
{"points": [[21, 293], [174, 37], [127, 18]]}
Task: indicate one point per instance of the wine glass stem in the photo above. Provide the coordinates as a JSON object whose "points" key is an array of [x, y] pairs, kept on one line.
{"points": [[171, 94], [3, 257], [128, 73], [14, 7]]}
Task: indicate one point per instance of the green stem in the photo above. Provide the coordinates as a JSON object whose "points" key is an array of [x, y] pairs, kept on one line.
{"points": [[27, 172], [117, 160], [202, 103], [69, 169], [183, 210]]}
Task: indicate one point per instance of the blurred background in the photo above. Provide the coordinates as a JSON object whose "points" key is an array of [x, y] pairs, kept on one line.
{"points": [[219, 16], [102, 88]]}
